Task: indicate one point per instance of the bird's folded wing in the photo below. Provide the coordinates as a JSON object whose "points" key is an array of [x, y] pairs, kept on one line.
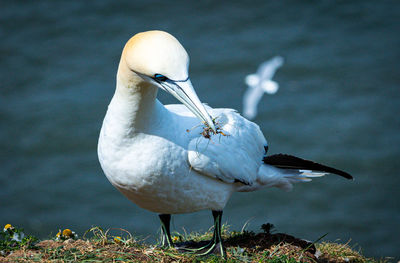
{"points": [[231, 156]]}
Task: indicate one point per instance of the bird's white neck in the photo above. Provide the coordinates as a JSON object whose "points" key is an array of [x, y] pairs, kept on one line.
{"points": [[134, 108]]}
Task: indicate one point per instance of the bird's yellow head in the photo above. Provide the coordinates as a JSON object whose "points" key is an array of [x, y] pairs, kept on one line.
{"points": [[156, 52], [157, 58]]}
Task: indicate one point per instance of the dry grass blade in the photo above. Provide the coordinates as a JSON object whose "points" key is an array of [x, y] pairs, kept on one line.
{"points": [[241, 246]]}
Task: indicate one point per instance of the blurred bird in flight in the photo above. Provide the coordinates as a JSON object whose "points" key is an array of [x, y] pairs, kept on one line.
{"points": [[259, 83]]}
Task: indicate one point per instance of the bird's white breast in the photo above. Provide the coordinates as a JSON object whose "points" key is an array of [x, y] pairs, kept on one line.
{"points": [[152, 170]]}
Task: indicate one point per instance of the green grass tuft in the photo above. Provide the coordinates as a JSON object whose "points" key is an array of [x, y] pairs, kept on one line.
{"points": [[98, 245]]}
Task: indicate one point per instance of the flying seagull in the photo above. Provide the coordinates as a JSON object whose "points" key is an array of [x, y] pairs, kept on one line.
{"points": [[173, 159], [260, 83]]}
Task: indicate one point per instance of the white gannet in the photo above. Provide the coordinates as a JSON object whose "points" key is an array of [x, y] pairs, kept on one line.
{"points": [[259, 83], [159, 156]]}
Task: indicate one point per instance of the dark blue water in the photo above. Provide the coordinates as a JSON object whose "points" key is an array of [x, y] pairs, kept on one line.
{"points": [[338, 104]]}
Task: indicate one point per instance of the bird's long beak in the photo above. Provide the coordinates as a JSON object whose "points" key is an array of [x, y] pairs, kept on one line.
{"points": [[184, 92]]}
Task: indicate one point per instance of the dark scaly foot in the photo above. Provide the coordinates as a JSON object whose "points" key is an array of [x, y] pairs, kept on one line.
{"points": [[215, 245]]}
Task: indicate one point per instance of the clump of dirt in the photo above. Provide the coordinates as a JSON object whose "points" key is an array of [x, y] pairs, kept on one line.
{"points": [[274, 244]]}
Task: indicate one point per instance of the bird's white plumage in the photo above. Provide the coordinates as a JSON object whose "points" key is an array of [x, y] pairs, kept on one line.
{"points": [[268, 68], [260, 83], [152, 168], [219, 156], [147, 152]]}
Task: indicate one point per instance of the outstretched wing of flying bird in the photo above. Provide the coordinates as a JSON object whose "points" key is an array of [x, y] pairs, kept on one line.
{"points": [[268, 68], [251, 98]]}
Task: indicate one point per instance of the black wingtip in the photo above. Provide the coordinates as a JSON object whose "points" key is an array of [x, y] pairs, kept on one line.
{"points": [[286, 161]]}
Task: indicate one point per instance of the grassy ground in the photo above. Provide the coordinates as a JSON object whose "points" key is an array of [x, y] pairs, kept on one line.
{"points": [[102, 246]]}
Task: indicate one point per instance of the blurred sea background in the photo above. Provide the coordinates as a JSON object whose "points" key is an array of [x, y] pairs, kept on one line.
{"points": [[338, 104]]}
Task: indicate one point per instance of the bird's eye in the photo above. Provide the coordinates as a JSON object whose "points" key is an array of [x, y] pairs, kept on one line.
{"points": [[160, 77]]}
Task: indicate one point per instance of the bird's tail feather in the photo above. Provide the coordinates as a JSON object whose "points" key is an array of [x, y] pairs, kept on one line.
{"points": [[282, 171], [285, 161]]}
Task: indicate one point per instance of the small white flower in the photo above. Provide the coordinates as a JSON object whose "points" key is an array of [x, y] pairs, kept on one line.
{"points": [[18, 237]]}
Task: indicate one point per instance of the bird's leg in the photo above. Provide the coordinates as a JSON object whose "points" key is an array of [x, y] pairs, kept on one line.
{"points": [[166, 240], [215, 244]]}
